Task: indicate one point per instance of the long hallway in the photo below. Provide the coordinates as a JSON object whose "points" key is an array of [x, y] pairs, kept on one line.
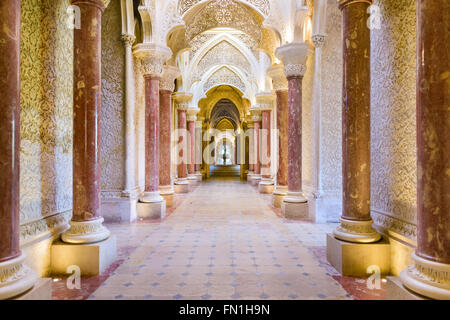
{"points": [[223, 241]]}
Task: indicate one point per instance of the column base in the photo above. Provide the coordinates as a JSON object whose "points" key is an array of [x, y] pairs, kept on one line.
{"points": [[15, 277], [192, 179], [356, 231], [199, 176], [279, 193], [295, 206], [396, 291], [119, 210], [266, 186], [354, 259], [92, 259], [181, 186], [84, 232], [250, 176], [42, 290], [168, 194], [152, 210], [256, 178], [427, 278]]}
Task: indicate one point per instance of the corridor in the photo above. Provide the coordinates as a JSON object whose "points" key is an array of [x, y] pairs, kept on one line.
{"points": [[223, 241]]}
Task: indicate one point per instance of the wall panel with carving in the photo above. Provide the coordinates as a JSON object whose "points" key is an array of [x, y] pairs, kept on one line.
{"points": [[46, 117], [394, 117], [112, 113], [330, 166]]}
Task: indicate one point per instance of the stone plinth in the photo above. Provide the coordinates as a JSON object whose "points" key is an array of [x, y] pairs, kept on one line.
{"points": [[266, 186], [353, 259], [151, 210], [279, 194], [181, 186], [396, 291], [92, 258], [293, 207]]}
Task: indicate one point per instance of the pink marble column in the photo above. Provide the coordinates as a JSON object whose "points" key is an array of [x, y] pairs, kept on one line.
{"points": [[19, 278], [356, 124], [429, 276], [191, 160], [164, 138], [265, 147], [151, 133], [86, 126], [182, 143], [9, 130], [257, 163], [283, 133]]}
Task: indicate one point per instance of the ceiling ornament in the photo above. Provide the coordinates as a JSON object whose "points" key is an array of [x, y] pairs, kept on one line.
{"points": [[225, 14], [224, 76], [263, 6]]}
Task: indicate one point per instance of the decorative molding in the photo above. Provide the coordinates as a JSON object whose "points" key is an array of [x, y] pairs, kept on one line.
{"points": [[279, 80], [318, 40], [152, 57], [53, 224], [294, 70], [390, 222], [262, 5], [128, 40], [167, 82]]}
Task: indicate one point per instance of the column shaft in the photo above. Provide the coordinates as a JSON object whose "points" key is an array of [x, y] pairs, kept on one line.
{"points": [[87, 104], [151, 133], [295, 134], [265, 145], [356, 111], [182, 143], [191, 162], [283, 133], [9, 130], [257, 163], [164, 138]]}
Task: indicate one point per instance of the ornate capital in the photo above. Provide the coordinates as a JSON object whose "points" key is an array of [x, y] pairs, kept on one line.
{"points": [[276, 72], [294, 56], [152, 57], [343, 3], [294, 70], [318, 40], [128, 40], [265, 100], [182, 99], [170, 73]]}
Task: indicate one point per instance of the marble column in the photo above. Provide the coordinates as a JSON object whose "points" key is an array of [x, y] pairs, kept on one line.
{"points": [[19, 278], [251, 150], [198, 147], [265, 101], [191, 119], [356, 223], [294, 56], [183, 100], [256, 118], [166, 87], [86, 225], [280, 85], [430, 274], [152, 58], [131, 189]]}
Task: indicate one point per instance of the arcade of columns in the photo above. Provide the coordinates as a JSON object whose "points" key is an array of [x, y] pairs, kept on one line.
{"points": [[430, 274]]}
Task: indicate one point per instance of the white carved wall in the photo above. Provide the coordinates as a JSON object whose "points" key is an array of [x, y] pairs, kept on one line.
{"points": [[46, 72], [112, 117], [394, 118]]}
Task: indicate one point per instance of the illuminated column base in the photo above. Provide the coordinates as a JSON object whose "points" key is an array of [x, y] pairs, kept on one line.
{"points": [[82, 232], [266, 185], [428, 278], [15, 277], [167, 193], [295, 206], [181, 185], [279, 194], [356, 231]]}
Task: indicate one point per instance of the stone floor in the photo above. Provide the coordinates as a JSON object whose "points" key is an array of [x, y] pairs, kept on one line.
{"points": [[222, 241]]}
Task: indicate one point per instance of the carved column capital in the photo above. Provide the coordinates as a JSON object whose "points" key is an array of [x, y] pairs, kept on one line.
{"points": [[128, 40], [182, 100], [318, 40], [152, 57], [265, 100], [279, 80], [294, 56], [169, 74]]}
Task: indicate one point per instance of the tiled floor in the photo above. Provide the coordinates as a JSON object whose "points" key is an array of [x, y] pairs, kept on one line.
{"points": [[223, 241]]}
